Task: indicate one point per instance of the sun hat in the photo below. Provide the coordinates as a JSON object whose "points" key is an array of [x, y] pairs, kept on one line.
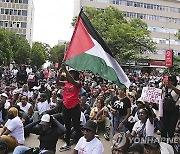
{"points": [[91, 125], [45, 119]]}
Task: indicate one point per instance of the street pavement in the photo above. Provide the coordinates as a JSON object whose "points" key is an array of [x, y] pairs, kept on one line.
{"points": [[33, 141]]}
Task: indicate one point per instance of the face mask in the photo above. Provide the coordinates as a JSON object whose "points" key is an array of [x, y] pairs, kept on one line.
{"points": [[10, 116]]}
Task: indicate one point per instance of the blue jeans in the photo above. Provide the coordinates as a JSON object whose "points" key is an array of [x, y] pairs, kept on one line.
{"points": [[20, 149], [116, 120]]}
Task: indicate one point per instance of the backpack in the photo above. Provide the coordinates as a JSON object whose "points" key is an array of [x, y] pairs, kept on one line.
{"points": [[31, 78], [169, 102]]}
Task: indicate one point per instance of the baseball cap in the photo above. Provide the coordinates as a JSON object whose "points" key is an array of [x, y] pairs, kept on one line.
{"points": [[45, 119], [5, 95], [91, 125]]}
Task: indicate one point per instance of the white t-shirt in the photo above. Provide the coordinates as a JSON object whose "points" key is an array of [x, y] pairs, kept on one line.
{"points": [[15, 125], [166, 148], [93, 147], [24, 108], [149, 128], [42, 107], [82, 119]]}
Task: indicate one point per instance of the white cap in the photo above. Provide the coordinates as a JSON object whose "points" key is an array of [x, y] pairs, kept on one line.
{"points": [[45, 119], [5, 95]]}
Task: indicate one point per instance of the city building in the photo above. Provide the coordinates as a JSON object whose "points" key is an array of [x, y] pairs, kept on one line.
{"points": [[161, 16], [17, 16]]}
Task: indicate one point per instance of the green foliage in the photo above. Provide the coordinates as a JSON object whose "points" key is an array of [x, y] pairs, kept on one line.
{"points": [[20, 48], [176, 64], [57, 53], [126, 39], [5, 48], [38, 54]]}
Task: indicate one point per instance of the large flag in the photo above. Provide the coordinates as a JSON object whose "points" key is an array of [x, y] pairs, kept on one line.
{"points": [[88, 51]]}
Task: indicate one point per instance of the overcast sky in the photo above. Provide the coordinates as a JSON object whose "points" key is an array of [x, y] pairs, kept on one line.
{"points": [[52, 20]]}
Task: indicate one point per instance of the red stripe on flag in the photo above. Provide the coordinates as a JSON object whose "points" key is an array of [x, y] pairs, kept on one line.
{"points": [[80, 42]]}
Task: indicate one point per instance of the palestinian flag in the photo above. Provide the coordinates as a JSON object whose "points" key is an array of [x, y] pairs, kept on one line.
{"points": [[88, 51]]}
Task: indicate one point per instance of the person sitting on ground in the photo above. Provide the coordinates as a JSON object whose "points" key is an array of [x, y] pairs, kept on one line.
{"points": [[49, 132], [100, 115], [145, 126], [25, 106], [3, 113], [89, 143], [13, 130], [41, 107], [85, 108]]}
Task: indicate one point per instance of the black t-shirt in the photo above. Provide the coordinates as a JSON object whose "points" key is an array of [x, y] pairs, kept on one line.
{"points": [[121, 105], [48, 140]]}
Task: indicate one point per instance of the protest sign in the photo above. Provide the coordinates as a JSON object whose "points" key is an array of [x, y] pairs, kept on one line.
{"points": [[151, 94]]}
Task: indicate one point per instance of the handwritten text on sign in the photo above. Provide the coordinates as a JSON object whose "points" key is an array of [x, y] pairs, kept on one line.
{"points": [[151, 94]]}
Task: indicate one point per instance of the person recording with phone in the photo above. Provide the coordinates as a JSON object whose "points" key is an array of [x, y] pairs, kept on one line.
{"points": [[171, 104]]}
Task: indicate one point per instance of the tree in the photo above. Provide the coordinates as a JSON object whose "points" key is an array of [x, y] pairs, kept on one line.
{"points": [[38, 54], [126, 39], [5, 48], [176, 64], [57, 53], [20, 48]]}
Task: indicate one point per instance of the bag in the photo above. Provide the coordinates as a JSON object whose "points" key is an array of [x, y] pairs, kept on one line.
{"points": [[34, 150], [169, 102], [31, 78]]}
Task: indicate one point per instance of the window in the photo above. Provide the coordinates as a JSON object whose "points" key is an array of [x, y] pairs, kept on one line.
{"points": [[24, 12], [23, 24], [6, 24], [2, 11], [19, 12], [25, 1], [6, 11], [18, 24], [15, 12], [10, 11], [129, 3], [1, 23]]}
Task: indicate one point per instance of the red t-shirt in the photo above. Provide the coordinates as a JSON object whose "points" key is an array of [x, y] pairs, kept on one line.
{"points": [[71, 95]]}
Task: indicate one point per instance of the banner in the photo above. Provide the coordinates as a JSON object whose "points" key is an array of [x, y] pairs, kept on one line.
{"points": [[151, 94], [169, 58]]}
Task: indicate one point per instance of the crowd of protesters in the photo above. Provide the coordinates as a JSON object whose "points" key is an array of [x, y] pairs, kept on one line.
{"points": [[78, 106]]}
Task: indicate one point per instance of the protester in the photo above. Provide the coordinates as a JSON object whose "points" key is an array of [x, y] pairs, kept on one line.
{"points": [[171, 107], [89, 144], [121, 110], [71, 106], [13, 131], [145, 126], [3, 113], [49, 132]]}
